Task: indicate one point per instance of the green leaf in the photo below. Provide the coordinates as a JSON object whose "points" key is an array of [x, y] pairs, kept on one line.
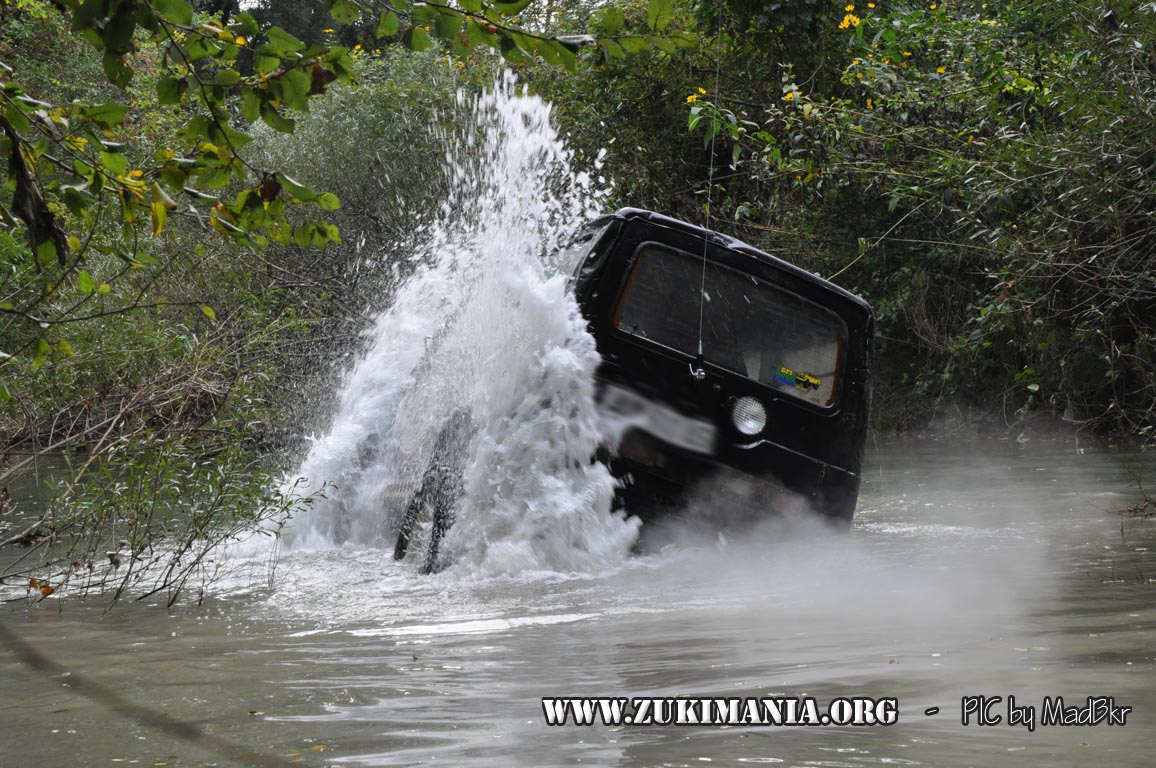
{"points": [[477, 35], [41, 354], [246, 24], [117, 72], [64, 348], [85, 16], [17, 117], [108, 115], [114, 163], [387, 25], [169, 90], [84, 282], [416, 39], [611, 21], [251, 105], [328, 201], [176, 11], [5, 395], [118, 31], [612, 49], [296, 189], [46, 253], [281, 43], [550, 53], [344, 12], [448, 24], [208, 312], [510, 9], [633, 44], [159, 216], [471, 6], [659, 14], [295, 85], [226, 77], [275, 119], [266, 64]]}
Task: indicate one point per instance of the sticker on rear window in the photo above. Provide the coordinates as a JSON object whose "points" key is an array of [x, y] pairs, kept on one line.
{"points": [[800, 380]]}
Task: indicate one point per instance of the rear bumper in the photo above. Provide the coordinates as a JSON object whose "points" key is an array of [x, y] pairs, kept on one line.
{"points": [[757, 480]]}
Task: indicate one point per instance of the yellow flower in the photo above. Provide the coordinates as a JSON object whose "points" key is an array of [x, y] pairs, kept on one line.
{"points": [[702, 91], [870, 103], [788, 95], [870, 5], [849, 8], [241, 40], [692, 98], [907, 53], [941, 70], [327, 31], [934, 6]]}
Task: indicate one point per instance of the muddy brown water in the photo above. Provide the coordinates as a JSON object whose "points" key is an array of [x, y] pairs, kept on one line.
{"points": [[990, 570]]}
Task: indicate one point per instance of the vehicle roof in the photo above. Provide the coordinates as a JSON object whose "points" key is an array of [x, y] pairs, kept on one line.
{"points": [[733, 244]]}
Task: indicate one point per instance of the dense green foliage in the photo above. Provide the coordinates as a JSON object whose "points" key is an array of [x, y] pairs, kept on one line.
{"points": [[981, 172], [201, 206]]}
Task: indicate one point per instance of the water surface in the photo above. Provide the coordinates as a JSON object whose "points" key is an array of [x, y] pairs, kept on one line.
{"points": [[994, 570]]}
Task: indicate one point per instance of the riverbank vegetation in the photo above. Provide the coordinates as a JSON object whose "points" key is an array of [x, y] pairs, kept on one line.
{"points": [[201, 209]]}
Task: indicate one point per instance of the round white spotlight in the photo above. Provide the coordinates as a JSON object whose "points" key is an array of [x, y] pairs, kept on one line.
{"points": [[749, 415]]}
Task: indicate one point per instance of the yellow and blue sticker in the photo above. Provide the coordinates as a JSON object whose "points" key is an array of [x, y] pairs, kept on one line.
{"points": [[800, 380]]}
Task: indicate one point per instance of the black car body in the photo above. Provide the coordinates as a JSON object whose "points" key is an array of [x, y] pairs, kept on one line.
{"points": [[723, 361]]}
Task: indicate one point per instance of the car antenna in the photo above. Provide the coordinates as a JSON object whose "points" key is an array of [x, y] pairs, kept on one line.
{"points": [[696, 368]]}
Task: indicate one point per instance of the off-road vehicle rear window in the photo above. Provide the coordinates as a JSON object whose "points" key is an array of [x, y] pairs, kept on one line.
{"points": [[749, 326]]}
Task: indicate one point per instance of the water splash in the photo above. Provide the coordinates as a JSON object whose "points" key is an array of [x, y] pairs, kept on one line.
{"points": [[485, 325]]}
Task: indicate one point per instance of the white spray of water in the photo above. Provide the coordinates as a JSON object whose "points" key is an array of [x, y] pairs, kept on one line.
{"points": [[485, 325]]}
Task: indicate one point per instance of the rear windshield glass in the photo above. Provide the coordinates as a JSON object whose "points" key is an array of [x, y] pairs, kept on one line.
{"points": [[748, 325]]}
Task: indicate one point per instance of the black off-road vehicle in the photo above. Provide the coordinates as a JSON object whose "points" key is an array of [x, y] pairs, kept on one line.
{"points": [[722, 361]]}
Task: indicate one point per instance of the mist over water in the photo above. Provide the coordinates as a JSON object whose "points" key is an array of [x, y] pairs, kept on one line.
{"points": [[484, 325]]}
